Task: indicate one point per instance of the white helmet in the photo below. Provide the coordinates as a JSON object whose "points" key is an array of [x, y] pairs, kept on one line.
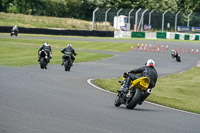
{"points": [[46, 44], [69, 45], [151, 63]]}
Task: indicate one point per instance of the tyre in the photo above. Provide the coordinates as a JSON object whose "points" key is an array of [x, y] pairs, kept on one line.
{"points": [[69, 67], [66, 65], [117, 101], [42, 63], [178, 59], [133, 101]]}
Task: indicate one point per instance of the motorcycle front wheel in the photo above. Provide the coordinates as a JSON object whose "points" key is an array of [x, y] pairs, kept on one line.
{"points": [[133, 101], [117, 101]]}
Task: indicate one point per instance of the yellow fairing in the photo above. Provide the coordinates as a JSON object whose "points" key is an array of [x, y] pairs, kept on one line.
{"points": [[142, 83]]}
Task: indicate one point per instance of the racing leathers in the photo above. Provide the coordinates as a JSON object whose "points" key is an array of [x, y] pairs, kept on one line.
{"points": [[47, 49], [68, 49], [145, 71]]}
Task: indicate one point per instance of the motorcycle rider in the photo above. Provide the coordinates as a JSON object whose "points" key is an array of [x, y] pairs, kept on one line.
{"points": [[146, 71], [15, 29], [68, 49], [47, 48], [174, 53]]}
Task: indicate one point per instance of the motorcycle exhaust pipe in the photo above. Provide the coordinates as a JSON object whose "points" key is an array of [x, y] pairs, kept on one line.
{"points": [[149, 91]]}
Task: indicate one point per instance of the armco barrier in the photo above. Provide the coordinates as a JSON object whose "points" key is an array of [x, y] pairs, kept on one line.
{"points": [[196, 37], [161, 35], [138, 35], [187, 37], [177, 36], [4, 29]]}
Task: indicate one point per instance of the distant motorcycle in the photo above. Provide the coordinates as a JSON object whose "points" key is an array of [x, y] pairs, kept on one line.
{"points": [[43, 59], [14, 33], [67, 62], [137, 93], [176, 56]]}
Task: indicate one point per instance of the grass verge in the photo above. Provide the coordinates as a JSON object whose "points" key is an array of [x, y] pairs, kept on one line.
{"points": [[180, 91], [21, 52]]}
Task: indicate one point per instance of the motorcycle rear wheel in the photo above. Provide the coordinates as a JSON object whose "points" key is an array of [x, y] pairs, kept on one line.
{"points": [[67, 65], [133, 101], [42, 63], [178, 59]]}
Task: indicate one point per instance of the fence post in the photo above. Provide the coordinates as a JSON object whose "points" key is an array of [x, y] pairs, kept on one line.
{"points": [[150, 16], [163, 20], [176, 20], [136, 15], [93, 18], [129, 17], [106, 18], [188, 23], [117, 17], [143, 19]]}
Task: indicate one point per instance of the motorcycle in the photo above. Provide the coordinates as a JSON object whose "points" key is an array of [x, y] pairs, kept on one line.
{"points": [[176, 56], [67, 62], [14, 33], [136, 94], [43, 59]]}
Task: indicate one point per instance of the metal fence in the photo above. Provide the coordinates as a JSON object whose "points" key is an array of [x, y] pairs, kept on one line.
{"points": [[138, 19]]}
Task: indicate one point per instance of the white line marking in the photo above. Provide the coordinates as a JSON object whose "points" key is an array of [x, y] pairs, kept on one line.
{"points": [[89, 82]]}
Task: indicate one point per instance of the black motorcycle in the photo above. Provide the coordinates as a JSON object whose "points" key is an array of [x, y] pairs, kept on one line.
{"points": [[67, 62], [14, 33], [43, 59], [176, 56]]}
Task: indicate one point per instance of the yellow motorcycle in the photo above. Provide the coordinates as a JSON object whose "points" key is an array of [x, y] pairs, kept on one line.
{"points": [[136, 94]]}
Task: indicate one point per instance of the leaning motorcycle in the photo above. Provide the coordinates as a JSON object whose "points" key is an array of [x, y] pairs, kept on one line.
{"points": [[67, 61], [176, 56], [136, 94], [43, 59]]}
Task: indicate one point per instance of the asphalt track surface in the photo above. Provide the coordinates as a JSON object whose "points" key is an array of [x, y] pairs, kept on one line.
{"points": [[54, 101]]}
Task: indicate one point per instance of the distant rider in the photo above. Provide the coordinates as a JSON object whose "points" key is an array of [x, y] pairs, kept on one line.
{"points": [[68, 49], [15, 30], [146, 71], [47, 48], [174, 53]]}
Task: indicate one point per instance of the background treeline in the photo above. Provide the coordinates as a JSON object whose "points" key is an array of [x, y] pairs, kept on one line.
{"points": [[82, 9]]}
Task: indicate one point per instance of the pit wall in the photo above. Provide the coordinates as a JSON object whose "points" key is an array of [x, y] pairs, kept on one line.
{"points": [[156, 35]]}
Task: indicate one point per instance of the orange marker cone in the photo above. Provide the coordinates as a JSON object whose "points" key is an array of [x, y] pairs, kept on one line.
{"points": [[188, 50], [197, 51], [131, 48], [149, 47], [183, 50], [167, 47], [141, 49], [154, 48], [162, 48]]}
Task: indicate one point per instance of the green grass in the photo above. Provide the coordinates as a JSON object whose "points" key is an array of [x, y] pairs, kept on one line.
{"points": [[81, 45], [20, 52], [181, 91], [30, 21]]}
